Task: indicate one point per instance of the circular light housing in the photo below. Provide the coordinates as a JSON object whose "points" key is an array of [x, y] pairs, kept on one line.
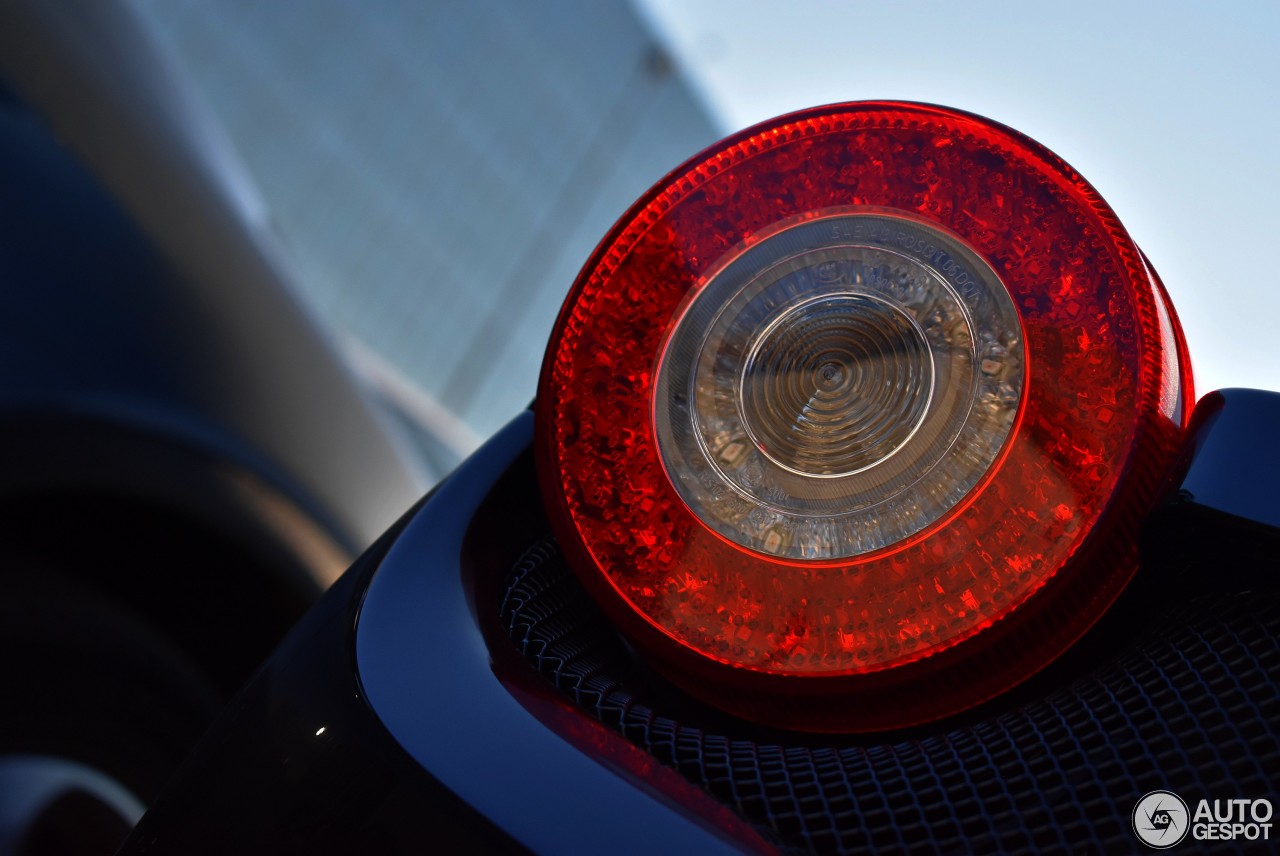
{"points": [[849, 423]]}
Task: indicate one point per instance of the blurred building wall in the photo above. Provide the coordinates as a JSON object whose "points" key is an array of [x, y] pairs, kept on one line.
{"points": [[441, 170]]}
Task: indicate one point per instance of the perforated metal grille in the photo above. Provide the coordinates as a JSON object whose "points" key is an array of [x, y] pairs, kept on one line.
{"points": [[1191, 706]]}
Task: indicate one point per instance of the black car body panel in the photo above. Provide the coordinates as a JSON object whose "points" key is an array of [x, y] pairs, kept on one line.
{"points": [[547, 738], [343, 744]]}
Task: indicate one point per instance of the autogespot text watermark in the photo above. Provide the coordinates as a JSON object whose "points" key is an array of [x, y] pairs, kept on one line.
{"points": [[1161, 819]]}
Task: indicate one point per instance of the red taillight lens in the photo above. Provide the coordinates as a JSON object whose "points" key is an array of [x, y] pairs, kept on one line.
{"points": [[850, 421]]}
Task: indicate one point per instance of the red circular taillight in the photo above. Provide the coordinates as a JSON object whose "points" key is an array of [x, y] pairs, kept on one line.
{"points": [[850, 421]]}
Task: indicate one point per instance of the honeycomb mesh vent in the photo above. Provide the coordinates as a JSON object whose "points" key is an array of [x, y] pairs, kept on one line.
{"points": [[1191, 706]]}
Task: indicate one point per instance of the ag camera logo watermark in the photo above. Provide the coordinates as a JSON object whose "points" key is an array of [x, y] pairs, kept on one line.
{"points": [[1161, 819]]}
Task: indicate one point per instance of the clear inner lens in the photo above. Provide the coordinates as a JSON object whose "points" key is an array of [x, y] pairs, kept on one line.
{"points": [[838, 386]]}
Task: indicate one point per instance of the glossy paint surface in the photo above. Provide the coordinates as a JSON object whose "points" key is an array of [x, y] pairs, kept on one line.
{"points": [[426, 671]]}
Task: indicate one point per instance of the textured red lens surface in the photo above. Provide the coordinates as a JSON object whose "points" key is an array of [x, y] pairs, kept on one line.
{"points": [[1037, 549]]}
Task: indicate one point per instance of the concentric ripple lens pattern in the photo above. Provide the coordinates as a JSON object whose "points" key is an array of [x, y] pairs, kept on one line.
{"points": [[839, 385]]}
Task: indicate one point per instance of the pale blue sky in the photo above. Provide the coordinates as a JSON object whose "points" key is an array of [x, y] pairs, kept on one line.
{"points": [[1169, 109]]}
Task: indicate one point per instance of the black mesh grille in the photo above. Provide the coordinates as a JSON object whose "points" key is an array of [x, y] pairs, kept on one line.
{"points": [[1191, 706]]}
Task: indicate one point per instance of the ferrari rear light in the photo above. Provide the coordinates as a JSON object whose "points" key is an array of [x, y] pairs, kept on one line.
{"points": [[849, 423]]}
